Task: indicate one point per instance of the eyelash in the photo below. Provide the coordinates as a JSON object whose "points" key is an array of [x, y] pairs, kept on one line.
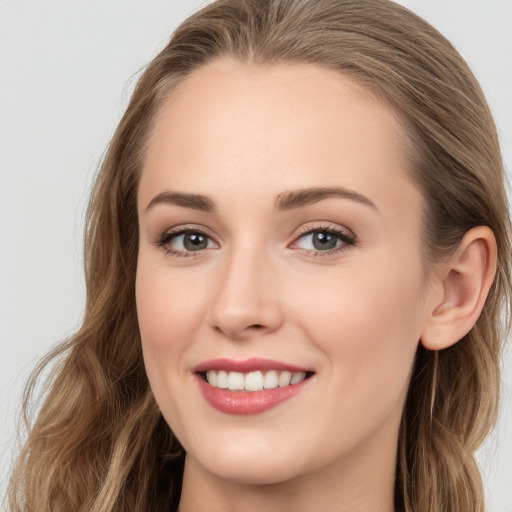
{"points": [[165, 239], [347, 239]]}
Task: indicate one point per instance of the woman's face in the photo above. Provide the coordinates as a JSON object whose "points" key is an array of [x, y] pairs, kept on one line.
{"points": [[280, 256]]}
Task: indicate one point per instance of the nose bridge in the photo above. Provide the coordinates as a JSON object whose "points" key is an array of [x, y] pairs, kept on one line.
{"points": [[245, 299]]}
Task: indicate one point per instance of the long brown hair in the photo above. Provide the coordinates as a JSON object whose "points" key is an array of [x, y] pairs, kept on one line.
{"points": [[99, 442]]}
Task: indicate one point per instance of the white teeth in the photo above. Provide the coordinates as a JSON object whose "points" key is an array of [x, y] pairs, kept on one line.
{"points": [[284, 379], [270, 380], [222, 380], [211, 377], [297, 377], [236, 381], [253, 381]]}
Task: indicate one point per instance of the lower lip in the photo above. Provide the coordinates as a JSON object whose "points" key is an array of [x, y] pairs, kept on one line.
{"points": [[247, 402]]}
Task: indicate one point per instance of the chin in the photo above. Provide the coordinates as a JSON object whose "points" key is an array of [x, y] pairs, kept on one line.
{"points": [[247, 473], [251, 463]]}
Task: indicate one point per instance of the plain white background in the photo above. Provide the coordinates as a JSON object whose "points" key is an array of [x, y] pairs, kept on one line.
{"points": [[66, 72]]}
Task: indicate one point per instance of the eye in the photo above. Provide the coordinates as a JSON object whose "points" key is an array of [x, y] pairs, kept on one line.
{"points": [[326, 240], [185, 242]]}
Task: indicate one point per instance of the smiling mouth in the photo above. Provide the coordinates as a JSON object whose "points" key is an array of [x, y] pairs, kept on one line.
{"points": [[254, 380], [251, 386]]}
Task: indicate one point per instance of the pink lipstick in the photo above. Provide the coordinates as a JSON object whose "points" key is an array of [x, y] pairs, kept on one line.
{"points": [[251, 386]]}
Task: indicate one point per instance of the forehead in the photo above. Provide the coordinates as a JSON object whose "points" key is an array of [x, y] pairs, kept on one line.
{"points": [[272, 128]]}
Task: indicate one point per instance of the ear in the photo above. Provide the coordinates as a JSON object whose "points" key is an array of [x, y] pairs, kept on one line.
{"points": [[464, 281]]}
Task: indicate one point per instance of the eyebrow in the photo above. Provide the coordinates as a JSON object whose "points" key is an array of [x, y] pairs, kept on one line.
{"points": [[284, 201], [303, 197], [194, 201]]}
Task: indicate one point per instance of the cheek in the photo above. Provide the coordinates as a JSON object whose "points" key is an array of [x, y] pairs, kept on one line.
{"points": [[367, 324], [168, 309]]}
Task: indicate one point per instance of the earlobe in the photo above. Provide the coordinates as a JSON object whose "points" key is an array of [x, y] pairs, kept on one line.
{"points": [[465, 280]]}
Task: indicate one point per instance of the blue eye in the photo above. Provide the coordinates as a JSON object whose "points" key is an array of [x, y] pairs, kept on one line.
{"points": [[324, 240], [316, 241], [185, 242]]}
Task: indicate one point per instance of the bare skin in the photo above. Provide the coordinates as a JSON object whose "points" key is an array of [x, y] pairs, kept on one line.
{"points": [[334, 282]]}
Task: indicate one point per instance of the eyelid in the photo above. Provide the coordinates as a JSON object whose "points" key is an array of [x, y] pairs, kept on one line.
{"points": [[325, 226], [164, 238], [345, 235]]}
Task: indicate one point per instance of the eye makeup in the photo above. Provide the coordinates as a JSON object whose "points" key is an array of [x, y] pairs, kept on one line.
{"points": [[324, 240], [313, 240], [186, 241]]}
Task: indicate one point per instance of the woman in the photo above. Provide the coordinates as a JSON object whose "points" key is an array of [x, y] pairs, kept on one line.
{"points": [[297, 255]]}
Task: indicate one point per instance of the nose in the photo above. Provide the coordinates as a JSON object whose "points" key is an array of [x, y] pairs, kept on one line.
{"points": [[246, 302]]}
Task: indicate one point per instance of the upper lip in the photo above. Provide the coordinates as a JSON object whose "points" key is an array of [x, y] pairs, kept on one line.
{"points": [[247, 365]]}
